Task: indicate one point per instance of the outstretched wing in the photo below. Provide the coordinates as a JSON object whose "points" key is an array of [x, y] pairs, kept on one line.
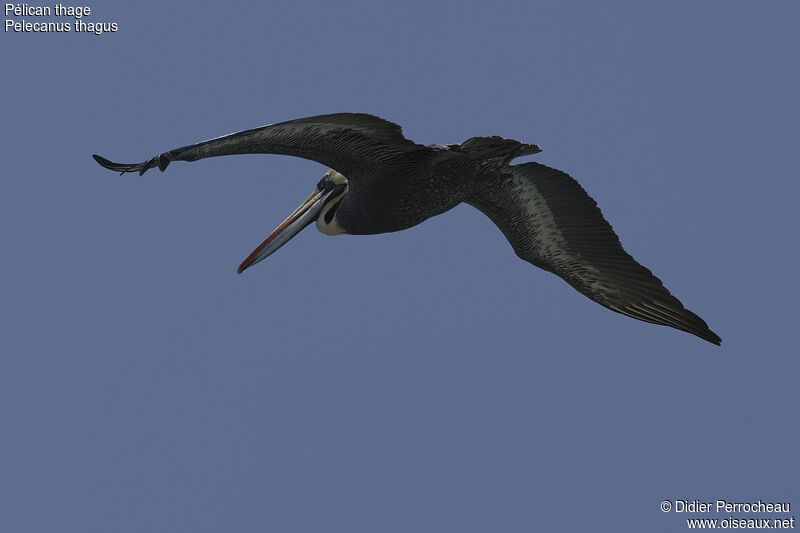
{"points": [[351, 143], [551, 222]]}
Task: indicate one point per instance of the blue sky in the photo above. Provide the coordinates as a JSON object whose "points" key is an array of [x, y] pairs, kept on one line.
{"points": [[426, 380]]}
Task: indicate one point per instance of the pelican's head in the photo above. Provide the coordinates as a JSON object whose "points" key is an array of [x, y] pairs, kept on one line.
{"points": [[326, 221], [320, 206]]}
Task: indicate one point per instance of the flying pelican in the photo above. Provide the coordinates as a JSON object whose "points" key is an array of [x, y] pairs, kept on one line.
{"points": [[379, 181]]}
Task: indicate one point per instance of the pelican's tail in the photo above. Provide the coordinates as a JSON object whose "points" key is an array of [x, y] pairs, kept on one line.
{"points": [[497, 147]]}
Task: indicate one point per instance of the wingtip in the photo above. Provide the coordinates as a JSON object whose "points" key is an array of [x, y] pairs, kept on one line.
{"points": [[699, 328], [160, 161], [102, 161], [110, 165], [704, 332]]}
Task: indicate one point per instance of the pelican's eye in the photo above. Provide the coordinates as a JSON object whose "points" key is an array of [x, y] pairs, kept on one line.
{"points": [[323, 182]]}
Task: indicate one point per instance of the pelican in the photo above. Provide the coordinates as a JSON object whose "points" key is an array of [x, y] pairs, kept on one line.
{"points": [[379, 181]]}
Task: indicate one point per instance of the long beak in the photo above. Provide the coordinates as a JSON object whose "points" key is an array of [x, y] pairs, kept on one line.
{"points": [[300, 218]]}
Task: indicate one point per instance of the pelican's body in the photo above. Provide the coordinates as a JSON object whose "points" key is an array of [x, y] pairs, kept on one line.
{"points": [[380, 182]]}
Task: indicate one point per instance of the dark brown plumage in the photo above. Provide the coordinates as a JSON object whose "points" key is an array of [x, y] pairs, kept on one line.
{"points": [[393, 183]]}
